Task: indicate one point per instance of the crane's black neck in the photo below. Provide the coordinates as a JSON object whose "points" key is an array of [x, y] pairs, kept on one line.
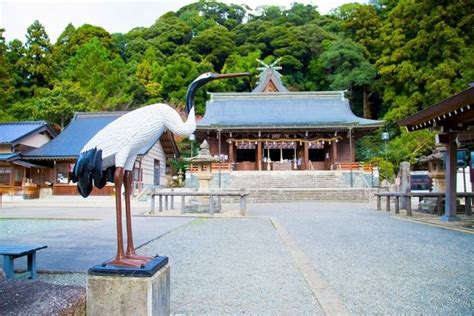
{"points": [[192, 88]]}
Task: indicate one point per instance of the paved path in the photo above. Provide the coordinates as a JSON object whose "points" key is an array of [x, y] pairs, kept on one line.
{"points": [[368, 261], [379, 264], [76, 245]]}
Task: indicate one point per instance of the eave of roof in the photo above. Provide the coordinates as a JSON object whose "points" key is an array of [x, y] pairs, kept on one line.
{"points": [[9, 156], [24, 131], [437, 114]]}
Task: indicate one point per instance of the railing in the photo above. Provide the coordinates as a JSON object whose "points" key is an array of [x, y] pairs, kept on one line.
{"points": [[211, 195], [353, 166], [224, 167], [438, 195]]}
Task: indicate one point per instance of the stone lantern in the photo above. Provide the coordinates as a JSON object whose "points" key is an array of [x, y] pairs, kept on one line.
{"points": [[436, 168], [203, 162], [436, 172]]}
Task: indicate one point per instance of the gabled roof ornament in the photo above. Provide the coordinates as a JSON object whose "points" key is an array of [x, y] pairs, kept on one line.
{"points": [[269, 77]]}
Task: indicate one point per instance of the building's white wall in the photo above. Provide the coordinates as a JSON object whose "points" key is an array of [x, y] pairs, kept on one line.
{"points": [[36, 140], [156, 152]]}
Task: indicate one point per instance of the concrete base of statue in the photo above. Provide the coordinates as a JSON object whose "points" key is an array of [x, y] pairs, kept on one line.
{"points": [[129, 291]]}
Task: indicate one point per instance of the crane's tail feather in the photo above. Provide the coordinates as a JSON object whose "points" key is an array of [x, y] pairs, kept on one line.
{"points": [[88, 171]]}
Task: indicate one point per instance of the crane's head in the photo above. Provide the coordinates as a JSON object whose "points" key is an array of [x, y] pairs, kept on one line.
{"points": [[202, 80]]}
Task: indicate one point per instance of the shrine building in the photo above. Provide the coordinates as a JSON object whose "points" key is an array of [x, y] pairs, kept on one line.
{"points": [[272, 128]]}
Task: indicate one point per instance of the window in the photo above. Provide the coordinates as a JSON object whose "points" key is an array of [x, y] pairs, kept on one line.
{"points": [[316, 154], [246, 155], [157, 172], [5, 175]]}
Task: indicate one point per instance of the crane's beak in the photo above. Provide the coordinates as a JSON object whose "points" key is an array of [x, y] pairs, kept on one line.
{"points": [[224, 76]]}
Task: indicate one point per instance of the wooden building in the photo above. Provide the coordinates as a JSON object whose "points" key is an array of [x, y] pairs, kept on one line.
{"points": [[453, 121], [17, 138], [61, 153], [271, 128]]}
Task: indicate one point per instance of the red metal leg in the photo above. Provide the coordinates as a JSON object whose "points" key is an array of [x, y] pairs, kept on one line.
{"points": [[120, 259], [130, 252]]}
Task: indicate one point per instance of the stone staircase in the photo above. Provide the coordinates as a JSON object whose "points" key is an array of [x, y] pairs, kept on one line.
{"points": [[284, 186], [286, 179]]}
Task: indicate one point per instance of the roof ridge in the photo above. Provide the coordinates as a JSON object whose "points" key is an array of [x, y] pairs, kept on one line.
{"points": [[101, 112], [339, 95], [25, 123]]}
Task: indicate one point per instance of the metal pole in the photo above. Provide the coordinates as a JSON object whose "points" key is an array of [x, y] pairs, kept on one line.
{"points": [[219, 140], [386, 167], [350, 153]]}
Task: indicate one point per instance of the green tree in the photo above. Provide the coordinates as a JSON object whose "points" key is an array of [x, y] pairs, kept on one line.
{"points": [[55, 105], [177, 75], [409, 146], [6, 82], [427, 55], [149, 72], [103, 75], [236, 63], [363, 24], [37, 62], [214, 45], [347, 67], [14, 55], [204, 14], [168, 33]]}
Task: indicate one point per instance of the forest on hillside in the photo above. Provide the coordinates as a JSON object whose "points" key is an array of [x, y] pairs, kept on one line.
{"points": [[393, 58]]}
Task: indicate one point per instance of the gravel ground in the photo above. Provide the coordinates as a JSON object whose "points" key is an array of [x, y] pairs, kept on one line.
{"points": [[232, 266], [18, 227], [64, 278], [378, 264]]}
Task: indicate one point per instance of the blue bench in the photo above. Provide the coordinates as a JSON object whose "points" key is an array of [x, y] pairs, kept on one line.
{"points": [[10, 253]]}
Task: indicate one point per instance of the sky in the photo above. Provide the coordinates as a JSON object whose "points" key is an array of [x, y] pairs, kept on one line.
{"points": [[113, 15]]}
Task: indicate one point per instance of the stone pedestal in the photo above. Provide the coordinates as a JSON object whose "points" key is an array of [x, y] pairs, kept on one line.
{"points": [[129, 291], [404, 182]]}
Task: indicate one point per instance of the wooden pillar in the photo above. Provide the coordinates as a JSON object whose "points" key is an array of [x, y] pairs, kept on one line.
{"points": [[451, 166], [351, 157], [231, 153], [259, 156], [334, 152], [305, 156], [220, 156]]}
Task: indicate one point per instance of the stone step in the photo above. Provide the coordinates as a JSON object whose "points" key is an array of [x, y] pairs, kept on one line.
{"points": [[287, 179], [286, 195]]}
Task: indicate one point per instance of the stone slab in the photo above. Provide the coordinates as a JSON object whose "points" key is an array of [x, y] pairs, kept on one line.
{"points": [[147, 270], [129, 295]]}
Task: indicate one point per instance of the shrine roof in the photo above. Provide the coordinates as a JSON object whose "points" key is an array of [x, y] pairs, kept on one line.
{"points": [[281, 110]]}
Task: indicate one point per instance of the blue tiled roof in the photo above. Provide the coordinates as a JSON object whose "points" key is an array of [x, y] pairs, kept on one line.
{"points": [[11, 132], [81, 129], [292, 109], [8, 156]]}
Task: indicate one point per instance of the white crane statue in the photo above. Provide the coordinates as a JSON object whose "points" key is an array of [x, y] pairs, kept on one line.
{"points": [[110, 156]]}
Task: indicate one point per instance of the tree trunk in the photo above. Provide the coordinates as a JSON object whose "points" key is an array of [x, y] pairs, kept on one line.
{"points": [[366, 104]]}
